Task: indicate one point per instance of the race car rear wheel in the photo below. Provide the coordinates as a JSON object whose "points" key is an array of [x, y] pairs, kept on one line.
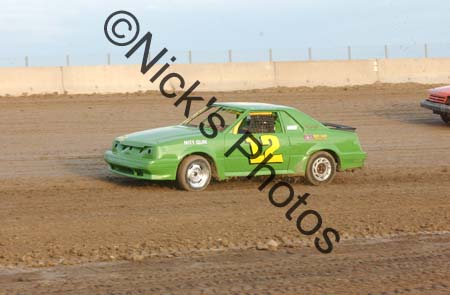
{"points": [[321, 168], [194, 173], [445, 118]]}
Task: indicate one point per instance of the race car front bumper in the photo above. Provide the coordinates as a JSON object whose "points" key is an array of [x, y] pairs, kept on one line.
{"points": [[437, 108], [141, 169]]}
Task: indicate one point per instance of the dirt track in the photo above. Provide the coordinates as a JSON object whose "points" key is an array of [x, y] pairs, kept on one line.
{"points": [[59, 205]]}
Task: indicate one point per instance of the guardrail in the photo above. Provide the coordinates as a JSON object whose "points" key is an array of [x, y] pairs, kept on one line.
{"points": [[316, 53]]}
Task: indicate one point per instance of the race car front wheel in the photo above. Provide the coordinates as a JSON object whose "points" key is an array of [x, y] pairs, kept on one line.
{"points": [[321, 168], [445, 118], [194, 173]]}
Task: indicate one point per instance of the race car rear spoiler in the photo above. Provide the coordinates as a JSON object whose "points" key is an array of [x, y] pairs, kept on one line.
{"points": [[339, 127]]}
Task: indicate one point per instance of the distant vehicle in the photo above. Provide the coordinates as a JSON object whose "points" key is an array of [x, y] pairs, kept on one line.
{"points": [[299, 145], [439, 102]]}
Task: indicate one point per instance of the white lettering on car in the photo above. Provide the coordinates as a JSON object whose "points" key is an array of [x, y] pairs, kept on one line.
{"points": [[197, 141]]}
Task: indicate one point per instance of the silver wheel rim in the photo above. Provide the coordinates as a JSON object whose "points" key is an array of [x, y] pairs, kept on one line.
{"points": [[197, 174], [321, 169]]}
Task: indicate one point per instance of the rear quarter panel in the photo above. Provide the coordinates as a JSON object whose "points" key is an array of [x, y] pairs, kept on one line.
{"points": [[343, 145]]}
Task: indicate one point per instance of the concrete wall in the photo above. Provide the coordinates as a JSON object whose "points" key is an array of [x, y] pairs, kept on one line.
{"points": [[16, 81], [325, 73], [223, 76], [430, 70]]}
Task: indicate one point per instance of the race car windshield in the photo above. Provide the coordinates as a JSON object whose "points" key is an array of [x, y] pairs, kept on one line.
{"points": [[228, 115]]}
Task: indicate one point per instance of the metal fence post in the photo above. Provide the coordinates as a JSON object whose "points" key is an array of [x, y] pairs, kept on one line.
{"points": [[67, 60], [310, 54], [270, 55], [386, 53], [190, 56], [108, 59], [425, 48], [230, 57], [349, 52], [26, 61]]}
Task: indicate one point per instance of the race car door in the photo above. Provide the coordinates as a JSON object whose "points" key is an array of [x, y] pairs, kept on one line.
{"points": [[298, 146], [267, 128]]}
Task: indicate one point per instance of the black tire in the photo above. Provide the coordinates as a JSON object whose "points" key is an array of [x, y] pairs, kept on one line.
{"points": [[446, 118], [321, 168], [194, 173]]}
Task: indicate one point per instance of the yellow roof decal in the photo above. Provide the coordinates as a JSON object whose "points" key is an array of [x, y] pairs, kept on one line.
{"points": [[260, 113]]}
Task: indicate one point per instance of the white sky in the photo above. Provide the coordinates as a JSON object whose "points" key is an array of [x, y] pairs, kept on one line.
{"points": [[38, 27]]}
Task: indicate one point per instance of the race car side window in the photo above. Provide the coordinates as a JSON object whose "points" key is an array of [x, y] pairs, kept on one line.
{"points": [[290, 125]]}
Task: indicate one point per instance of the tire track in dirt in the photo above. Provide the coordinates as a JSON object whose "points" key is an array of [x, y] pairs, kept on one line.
{"points": [[414, 265]]}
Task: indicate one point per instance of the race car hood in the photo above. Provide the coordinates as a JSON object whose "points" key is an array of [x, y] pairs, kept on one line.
{"points": [[158, 135], [440, 91]]}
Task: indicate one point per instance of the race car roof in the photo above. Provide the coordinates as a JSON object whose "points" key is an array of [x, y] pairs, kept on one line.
{"points": [[252, 106]]}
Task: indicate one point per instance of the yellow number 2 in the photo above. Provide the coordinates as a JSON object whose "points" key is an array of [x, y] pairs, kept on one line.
{"points": [[273, 143]]}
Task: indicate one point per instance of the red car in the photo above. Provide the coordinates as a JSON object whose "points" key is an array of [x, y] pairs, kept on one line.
{"points": [[439, 102]]}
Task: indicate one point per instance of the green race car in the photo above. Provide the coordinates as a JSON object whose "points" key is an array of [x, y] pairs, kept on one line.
{"points": [[288, 140]]}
